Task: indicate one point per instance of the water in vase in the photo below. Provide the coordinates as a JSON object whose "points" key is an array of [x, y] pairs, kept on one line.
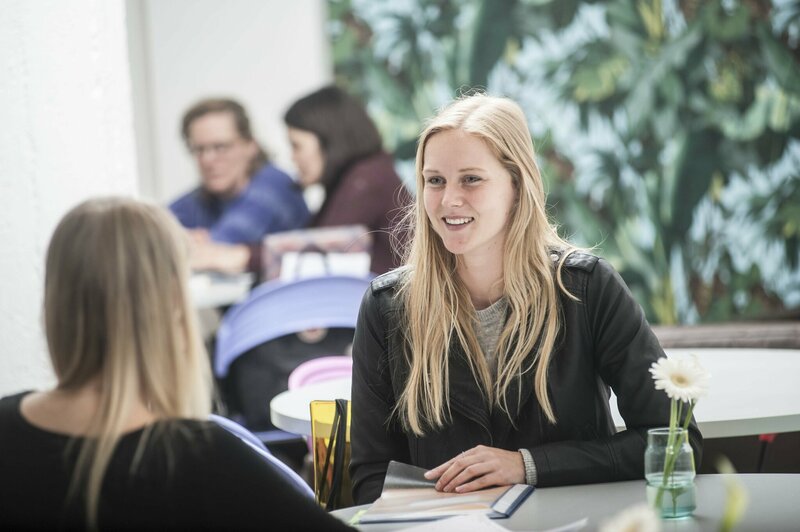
{"points": [[678, 499]]}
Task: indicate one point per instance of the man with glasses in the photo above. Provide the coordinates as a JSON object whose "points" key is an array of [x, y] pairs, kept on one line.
{"points": [[241, 198]]}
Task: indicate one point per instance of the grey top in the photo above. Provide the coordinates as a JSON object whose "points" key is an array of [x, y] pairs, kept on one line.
{"points": [[488, 329]]}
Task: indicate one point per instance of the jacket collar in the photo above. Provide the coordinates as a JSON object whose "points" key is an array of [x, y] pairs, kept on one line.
{"points": [[466, 397], [517, 395]]}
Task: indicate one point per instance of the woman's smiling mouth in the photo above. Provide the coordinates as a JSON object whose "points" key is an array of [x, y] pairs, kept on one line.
{"points": [[457, 221]]}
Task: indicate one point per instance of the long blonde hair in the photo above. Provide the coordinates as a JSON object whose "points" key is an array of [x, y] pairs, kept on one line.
{"points": [[116, 310], [436, 302]]}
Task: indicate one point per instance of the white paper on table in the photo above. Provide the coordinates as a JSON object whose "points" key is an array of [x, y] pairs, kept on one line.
{"points": [[580, 524], [462, 523], [481, 523], [212, 289]]}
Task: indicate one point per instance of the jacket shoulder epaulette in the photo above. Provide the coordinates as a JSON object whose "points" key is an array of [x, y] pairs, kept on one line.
{"points": [[578, 260], [386, 280]]}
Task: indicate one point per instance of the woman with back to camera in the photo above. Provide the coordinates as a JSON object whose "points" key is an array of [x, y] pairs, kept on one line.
{"points": [[487, 358], [121, 441], [336, 144]]}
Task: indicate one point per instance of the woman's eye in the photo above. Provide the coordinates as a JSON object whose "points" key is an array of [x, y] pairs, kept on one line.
{"points": [[472, 179], [435, 181]]}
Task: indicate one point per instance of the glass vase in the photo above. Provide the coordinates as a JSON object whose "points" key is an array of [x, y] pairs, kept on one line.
{"points": [[669, 471]]}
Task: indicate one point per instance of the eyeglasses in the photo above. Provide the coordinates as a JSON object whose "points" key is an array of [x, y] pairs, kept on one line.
{"points": [[217, 148]]}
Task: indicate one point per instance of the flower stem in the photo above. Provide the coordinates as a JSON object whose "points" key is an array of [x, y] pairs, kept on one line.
{"points": [[673, 447], [688, 415], [686, 425], [669, 460]]}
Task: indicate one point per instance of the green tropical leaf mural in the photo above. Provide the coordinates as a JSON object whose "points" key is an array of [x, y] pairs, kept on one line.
{"points": [[668, 130]]}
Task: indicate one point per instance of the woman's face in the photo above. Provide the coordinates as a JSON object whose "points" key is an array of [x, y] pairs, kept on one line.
{"points": [[467, 193], [307, 155], [223, 156]]}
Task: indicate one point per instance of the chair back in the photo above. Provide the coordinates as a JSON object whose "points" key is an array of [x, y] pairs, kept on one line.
{"points": [[278, 308], [249, 439], [238, 431], [330, 433], [321, 369]]}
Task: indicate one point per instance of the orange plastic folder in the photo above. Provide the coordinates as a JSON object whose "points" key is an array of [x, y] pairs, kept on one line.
{"points": [[408, 496]]}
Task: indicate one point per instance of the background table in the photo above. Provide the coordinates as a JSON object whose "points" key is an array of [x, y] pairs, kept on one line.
{"points": [[289, 410], [773, 505], [212, 290], [752, 391]]}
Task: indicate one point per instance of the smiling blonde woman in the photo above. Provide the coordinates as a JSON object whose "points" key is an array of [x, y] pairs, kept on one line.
{"points": [[488, 357]]}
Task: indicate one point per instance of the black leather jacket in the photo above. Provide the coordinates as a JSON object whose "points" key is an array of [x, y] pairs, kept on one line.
{"points": [[605, 341]]}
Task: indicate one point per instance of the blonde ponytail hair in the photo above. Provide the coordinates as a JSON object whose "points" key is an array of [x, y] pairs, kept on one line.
{"points": [[116, 310]]}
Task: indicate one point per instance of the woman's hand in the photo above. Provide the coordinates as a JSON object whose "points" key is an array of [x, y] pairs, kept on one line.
{"points": [[217, 256], [478, 468]]}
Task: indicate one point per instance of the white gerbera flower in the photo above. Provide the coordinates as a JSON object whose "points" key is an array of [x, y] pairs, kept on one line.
{"points": [[685, 379], [637, 518]]}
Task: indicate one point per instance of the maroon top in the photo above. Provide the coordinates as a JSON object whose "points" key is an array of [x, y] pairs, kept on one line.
{"points": [[370, 193]]}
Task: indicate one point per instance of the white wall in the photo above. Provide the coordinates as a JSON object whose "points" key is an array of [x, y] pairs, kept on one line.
{"points": [[265, 53], [66, 134], [67, 114]]}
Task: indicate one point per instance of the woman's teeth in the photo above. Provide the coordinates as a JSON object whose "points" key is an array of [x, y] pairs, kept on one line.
{"points": [[457, 221]]}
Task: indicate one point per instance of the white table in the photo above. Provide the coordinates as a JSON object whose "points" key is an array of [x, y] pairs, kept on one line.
{"points": [[752, 391], [212, 290], [289, 410], [772, 507]]}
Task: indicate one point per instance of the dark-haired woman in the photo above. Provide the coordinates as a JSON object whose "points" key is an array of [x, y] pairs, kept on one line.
{"points": [[336, 144]]}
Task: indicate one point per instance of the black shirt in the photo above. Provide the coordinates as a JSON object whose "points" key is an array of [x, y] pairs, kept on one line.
{"points": [[192, 475]]}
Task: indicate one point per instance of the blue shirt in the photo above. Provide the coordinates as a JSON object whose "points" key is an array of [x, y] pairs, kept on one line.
{"points": [[271, 202]]}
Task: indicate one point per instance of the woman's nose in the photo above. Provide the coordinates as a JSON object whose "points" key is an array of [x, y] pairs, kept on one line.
{"points": [[452, 196]]}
